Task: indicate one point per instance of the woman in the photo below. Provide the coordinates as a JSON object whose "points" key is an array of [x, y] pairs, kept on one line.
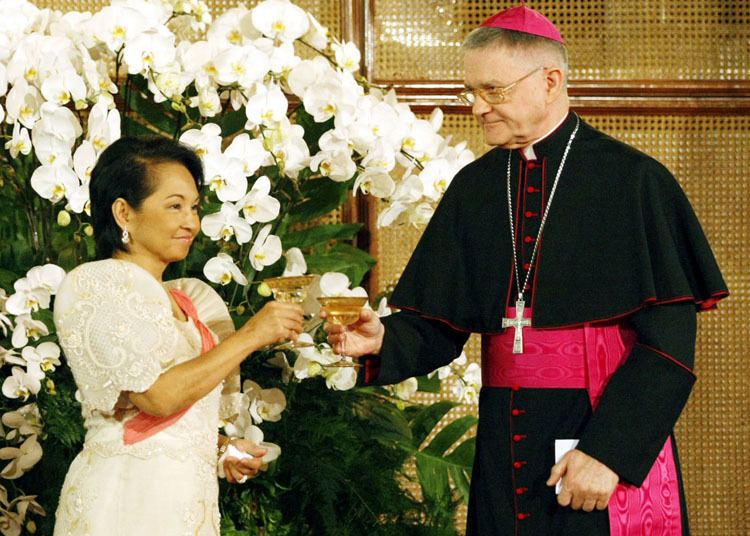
{"points": [[146, 355]]}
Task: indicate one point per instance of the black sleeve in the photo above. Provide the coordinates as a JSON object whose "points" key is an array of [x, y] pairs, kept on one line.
{"points": [[412, 346], [645, 396]]}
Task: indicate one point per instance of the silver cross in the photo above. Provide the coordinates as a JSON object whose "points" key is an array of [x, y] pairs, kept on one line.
{"points": [[518, 323]]}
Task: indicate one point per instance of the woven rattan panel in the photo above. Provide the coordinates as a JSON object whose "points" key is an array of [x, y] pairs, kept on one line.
{"points": [[709, 156], [607, 39]]}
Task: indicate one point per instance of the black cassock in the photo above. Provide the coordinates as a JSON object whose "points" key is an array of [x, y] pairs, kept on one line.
{"points": [[621, 244]]}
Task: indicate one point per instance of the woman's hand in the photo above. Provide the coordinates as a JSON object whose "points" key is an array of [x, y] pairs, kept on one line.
{"points": [[275, 322], [238, 471]]}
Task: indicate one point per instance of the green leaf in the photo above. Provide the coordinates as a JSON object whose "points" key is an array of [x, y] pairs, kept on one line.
{"points": [[353, 262], [461, 479], [321, 234], [232, 122], [428, 419], [7, 278], [463, 454], [160, 115], [428, 385], [321, 196], [389, 423], [450, 434], [433, 477]]}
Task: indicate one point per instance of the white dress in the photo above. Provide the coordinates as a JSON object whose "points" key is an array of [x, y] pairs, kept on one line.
{"points": [[117, 330]]}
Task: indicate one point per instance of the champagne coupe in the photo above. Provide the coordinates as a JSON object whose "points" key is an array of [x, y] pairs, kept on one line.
{"points": [[290, 289], [343, 311]]}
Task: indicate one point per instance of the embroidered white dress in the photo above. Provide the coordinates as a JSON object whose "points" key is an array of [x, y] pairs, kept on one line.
{"points": [[117, 330]]}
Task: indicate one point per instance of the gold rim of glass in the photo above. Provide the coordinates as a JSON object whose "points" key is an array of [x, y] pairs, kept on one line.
{"points": [[289, 282]]}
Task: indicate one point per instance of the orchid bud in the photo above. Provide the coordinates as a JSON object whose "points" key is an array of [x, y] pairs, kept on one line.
{"points": [[240, 310], [63, 218], [264, 290], [88, 230], [31, 527]]}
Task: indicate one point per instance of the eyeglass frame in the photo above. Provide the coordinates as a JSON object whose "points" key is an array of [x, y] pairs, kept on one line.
{"points": [[468, 95]]}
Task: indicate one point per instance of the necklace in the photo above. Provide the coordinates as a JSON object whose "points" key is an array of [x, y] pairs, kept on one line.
{"points": [[519, 322]]}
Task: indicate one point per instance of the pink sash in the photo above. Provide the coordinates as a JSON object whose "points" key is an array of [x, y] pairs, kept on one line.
{"points": [[585, 358], [144, 425]]}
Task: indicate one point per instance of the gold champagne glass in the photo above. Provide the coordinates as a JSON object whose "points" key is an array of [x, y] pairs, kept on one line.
{"points": [[343, 311], [290, 289]]}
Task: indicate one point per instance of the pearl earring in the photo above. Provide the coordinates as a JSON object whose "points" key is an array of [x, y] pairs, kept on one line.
{"points": [[125, 236]]}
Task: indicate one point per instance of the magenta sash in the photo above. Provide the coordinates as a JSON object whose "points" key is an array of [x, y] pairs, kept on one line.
{"points": [[144, 425], [585, 358]]}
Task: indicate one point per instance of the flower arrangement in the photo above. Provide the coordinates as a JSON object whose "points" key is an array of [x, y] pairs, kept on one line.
{"points": [[287, 132]]}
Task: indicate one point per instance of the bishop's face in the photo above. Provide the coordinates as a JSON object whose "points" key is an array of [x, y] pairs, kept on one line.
{"points": [[522, 117]]}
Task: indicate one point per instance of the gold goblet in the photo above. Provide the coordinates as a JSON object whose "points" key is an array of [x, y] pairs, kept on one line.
{"points": [[290, 289], [343, 311]]}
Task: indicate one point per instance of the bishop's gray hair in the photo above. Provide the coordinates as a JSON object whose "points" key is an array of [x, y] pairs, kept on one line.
{"points": [[485, 36]]}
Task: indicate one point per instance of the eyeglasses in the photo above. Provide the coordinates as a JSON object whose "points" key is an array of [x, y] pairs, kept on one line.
{"points": [[492, 95]]}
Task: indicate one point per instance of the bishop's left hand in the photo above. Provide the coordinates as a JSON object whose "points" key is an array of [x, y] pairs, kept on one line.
{"points": [[238, 471], [586, 482]]}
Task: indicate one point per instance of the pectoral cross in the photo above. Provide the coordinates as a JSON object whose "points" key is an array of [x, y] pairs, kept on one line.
{"points": [[518, 323]]}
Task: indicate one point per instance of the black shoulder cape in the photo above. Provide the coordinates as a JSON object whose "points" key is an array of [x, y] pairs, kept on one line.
{"points": [[620, 235]]}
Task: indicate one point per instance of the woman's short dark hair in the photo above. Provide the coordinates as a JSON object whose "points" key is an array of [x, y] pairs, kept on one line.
{"points": [[123, 171]]}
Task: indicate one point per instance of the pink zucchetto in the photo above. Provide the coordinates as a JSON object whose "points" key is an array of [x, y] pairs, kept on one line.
{"points": [[526, 20]]}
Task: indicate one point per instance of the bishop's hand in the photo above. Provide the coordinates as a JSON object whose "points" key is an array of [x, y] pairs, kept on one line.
{"points": [[363, 337], [586, 482]]}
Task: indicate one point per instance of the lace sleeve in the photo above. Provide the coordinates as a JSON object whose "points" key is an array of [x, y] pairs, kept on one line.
{"points": [[115, 326]]}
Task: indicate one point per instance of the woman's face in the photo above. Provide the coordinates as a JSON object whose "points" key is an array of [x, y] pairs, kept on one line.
{"points": [[164, 227]]}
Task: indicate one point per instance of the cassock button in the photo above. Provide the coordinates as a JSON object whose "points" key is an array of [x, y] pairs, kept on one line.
{"points": [[518, 465], [521, 491], [523, 516], [528, 239], [532, 190], [519, 437], [516, 387], [516, 412], [533, 165], [529, 214], [526, 265]]}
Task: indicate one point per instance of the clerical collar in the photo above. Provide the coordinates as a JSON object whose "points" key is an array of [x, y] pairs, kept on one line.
{"points": [[528, 151]]}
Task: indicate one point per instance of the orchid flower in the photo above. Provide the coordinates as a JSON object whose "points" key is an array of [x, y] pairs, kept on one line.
{"points": [[221, 269]]}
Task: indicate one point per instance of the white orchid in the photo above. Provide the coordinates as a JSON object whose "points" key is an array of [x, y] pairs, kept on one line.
{"points": [[21, 384], [231, 28], [21, 459], [266, 250], [337, 284], [250, 151], [27, 328], [341, 378], [347, 56], [405, 389], [225, 224], [35, 290], [337, 165], [375, 182], [295, 262], [19, 143], [258, 205], [116, 24], [54, 182], [225, 176], [205, 141], [150, 50], [207, 101], [280, 19], [45, 357], [65, 87], [24, 421], [244, 66], [222, 269], [307, 73], [311, 359], [266, 107], [103, 125], [317, 34], [287, 144], [265, 404], [23, 103]]}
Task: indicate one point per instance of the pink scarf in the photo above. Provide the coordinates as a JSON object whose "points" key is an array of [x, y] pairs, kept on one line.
{"points": [[144, 425]]}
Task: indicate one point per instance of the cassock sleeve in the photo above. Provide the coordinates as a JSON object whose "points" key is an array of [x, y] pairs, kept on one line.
{"points": [[645, 396], [412, 346]]}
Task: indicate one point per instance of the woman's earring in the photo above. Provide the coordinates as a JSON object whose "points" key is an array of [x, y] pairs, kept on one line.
{"points": [[125, 236]]}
